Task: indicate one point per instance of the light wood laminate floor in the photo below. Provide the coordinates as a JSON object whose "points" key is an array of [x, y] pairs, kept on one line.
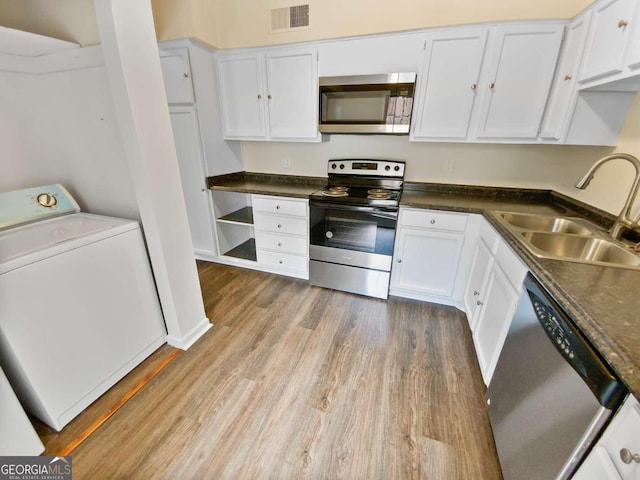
{"points": [[295, 381]]}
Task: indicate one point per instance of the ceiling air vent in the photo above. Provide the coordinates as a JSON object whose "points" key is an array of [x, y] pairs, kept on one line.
{"points": [[288, 18]]}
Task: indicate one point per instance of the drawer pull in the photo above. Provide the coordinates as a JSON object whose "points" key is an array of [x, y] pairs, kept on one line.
{"points": [[277, 207], [622, 24], [279, 226], [433, 221], [476, 293], [627, 457], [567, 78], [479, 303], [280, 262], [279, 244], [399, 260]]}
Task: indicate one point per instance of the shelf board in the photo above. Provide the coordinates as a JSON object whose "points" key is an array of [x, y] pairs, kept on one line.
{"points": [[243, 216], [245, 251]]}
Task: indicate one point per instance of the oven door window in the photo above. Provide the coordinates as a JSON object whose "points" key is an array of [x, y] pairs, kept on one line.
{"points": [[350, 230]]}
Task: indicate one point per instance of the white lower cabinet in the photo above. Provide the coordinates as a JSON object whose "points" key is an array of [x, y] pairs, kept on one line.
{"points": [[282, 234], [491, 296], [431, 255], [616, 456]]}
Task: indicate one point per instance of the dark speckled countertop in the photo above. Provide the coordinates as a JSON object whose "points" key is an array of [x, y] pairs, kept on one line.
{"points": [[604, 302], [265, 184]]}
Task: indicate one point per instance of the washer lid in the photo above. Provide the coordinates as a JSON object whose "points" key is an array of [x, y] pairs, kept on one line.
{"points": [[59, 232]]}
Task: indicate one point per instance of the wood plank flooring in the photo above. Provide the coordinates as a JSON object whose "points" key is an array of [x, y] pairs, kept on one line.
{"points": [[295, 381]]}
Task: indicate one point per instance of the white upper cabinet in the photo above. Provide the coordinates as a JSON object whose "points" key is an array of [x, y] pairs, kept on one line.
{"points": [[612, 26], [448, 84], [270, 95], [292, 84], [562, 97], [487, 84], [516, 80], [176, 74], [241, 96]]}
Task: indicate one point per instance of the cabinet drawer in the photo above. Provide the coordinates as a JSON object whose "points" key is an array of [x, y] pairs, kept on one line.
{"points": [[280, 224], [433, 220], [280, 206], [285, 261], [282, 243], [511, 265]]}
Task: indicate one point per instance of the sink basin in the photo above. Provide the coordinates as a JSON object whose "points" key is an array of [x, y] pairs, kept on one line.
{"points": [[580, 248], [545, 223]]}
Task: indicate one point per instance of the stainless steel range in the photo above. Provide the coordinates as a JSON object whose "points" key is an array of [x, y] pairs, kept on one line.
{"points": [[353, 226]]}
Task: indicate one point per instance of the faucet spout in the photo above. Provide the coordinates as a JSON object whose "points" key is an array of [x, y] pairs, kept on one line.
{"points": [[624, 221]]}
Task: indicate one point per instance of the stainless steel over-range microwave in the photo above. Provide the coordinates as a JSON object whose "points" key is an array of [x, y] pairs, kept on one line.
{"points": [[367, 103]]}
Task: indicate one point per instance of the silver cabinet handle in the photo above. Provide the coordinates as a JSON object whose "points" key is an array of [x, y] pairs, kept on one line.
{"points": [[627, 457], [277, 207], [269, 96], [259, 96], [476, 293], [280, 262], [474, 87], [492, 85], [399, 260], [478, 303], [432, 221], [279, 244], [622, 24], [567, 78], [279, 226], [185, 75], [203, 190]]}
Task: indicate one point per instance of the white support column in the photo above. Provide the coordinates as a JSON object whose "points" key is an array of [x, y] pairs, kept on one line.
{"points": [[133, 66]]}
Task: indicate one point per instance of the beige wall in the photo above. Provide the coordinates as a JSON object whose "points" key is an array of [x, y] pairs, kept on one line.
{"points": [[242, 23], [71, 20]]}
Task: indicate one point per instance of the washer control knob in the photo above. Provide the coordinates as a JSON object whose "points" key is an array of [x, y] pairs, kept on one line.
{"points": [[387, 168], [342, 166], [47, 200], [334, 166], [397, 168]]}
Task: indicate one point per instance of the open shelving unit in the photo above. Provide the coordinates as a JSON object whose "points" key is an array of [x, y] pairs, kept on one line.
{"points": [[234, 225]]}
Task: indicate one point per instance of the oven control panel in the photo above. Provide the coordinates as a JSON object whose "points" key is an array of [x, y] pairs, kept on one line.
{"points": [[383, 168]]}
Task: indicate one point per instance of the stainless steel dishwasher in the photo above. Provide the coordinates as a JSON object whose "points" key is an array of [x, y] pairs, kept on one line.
{"points": [[551, 393]]}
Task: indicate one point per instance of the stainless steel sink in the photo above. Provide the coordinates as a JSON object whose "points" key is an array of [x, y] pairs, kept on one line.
{"points": [[581, 248], [570, 239], [545, 223]]}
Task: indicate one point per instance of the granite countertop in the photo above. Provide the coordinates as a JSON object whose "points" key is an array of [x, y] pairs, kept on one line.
{"points": [[604, 302], [266, 184]]}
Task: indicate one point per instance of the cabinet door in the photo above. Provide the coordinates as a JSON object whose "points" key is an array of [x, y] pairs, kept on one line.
{"points": [[426, 262], [497, 307], [608, 38], [186, 134], [292, 93], [177, 75], [482, 262], [633, 53], [448, 83], [242, 99], [518, 80], [562, 91]]}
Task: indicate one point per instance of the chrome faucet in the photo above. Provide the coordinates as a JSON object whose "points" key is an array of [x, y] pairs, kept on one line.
{"points": [[623, 222]]}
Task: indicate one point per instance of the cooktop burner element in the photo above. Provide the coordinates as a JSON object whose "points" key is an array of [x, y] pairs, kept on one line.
{"points": [[333, 192], [363, 182]]}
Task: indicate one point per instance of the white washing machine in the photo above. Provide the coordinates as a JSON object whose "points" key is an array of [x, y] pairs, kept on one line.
{"points": [[78, 304]]}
